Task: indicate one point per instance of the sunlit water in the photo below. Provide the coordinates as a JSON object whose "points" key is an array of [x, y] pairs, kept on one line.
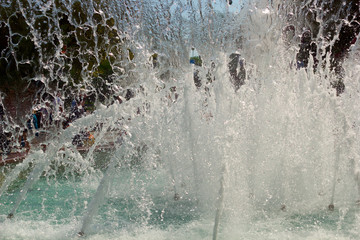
{"points": [[262, 162]]}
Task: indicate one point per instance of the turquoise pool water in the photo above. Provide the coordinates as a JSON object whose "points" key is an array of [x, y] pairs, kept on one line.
{"points": [[140, 205]]}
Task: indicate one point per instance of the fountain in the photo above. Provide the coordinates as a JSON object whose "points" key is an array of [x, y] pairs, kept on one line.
{"points": [[180, 119]]}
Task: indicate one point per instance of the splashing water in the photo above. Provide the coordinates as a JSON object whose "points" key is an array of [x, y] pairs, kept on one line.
{"points": [[180, 119]]}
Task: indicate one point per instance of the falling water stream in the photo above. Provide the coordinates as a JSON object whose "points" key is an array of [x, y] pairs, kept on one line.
{"points": [[187, 145]]}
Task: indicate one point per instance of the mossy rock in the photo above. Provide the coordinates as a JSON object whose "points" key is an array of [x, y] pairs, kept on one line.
{"points": [[12, 78], [65, 26], [56, 40], [115, 52], [59, 5], [18, 24], [114, 37], [71, 44], [26, 49], [97, 18], [26, 70], [80, 34], [76, 53], [103, 70], [89, 34], [24, 4], [16, 38], [78, 13], [48, 50], [105, 67], [100, 29], [76, 70], [3, 13], [85, 38], [3, 65], [42, 26], [154, 59], [4, 37], [62, 28], [91, 61], [131, 55], [110, 22], [97, 2], [102, 88]]}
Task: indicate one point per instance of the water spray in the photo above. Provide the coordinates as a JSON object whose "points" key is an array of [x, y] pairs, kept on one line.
{"points": [[101, 192], [220, 200], [91, 42], [337, 148]]}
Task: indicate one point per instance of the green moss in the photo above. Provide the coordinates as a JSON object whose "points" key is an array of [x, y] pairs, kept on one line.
{"points": [[104, 69]]}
